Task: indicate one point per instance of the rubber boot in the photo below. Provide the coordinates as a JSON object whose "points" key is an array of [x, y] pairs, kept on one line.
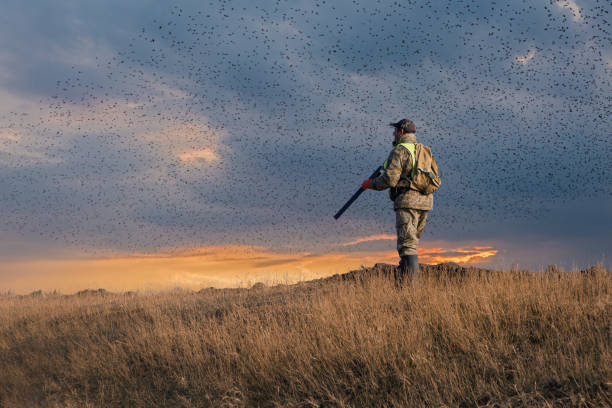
{"points": [[402, 271], [409, 265], [412, 266]]}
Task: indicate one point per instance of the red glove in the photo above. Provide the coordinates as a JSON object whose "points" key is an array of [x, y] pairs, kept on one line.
{"points": [[366, 184]]}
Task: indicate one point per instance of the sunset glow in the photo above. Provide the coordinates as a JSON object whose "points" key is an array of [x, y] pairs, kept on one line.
{"points": [[461, 255], [195, 268]]}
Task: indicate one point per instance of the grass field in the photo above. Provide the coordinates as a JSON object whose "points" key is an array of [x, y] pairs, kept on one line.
{"points": [[453, 338]]}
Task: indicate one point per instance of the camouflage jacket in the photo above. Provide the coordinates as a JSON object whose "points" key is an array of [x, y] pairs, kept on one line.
{"points": [[397, 175]]}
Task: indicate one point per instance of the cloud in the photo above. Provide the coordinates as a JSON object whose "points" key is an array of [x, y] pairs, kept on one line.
{"points": [[370, 238], [14, 152], [7, 136], [524, 59], [458, 255], [188, 141], [207, 155], [572, 7], [437, 254]]}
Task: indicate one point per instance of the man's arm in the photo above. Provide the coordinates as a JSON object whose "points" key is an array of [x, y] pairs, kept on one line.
{"points": [[395, 163]]}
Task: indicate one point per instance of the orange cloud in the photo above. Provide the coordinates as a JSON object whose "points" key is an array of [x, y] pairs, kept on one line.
{"points": [[435, 255], [370, 238], [218, 266], [459, 255], [208, 155], [524, 59]]}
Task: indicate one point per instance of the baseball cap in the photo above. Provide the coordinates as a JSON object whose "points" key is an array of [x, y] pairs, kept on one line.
{"points": [[406, 125]]}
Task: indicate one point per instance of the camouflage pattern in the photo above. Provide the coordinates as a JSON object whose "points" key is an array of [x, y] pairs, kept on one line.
{"points": [[409, 224], [397, 175]]}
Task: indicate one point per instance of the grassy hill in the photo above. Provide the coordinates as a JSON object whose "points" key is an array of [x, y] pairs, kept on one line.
{"points": [[455, 337]]}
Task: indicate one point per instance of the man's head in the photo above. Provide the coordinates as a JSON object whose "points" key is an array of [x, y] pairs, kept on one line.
{"points": [[401, 128], [404, 126]]}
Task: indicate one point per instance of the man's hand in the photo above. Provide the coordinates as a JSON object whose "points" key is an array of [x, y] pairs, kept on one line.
{"points": [[367, 183]]}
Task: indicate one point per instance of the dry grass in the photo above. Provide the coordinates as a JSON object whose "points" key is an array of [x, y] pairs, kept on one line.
{"points": [[488, 339]]}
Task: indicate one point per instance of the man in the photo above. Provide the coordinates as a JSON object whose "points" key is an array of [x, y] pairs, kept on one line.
{"points": [[411, 206]]}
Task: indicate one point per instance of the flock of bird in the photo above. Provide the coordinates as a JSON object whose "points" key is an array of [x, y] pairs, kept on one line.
{"points": [[238, 122]]}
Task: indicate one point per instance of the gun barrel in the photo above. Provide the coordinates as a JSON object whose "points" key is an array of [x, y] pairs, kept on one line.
{"points": [[348, 203], [356, 195]]}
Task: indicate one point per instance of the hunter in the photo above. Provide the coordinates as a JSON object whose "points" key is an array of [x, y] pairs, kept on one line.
{"points": [[411, 205]]}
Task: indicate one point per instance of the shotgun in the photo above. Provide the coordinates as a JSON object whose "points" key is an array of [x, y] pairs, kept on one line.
{"points": [[354, 197]]}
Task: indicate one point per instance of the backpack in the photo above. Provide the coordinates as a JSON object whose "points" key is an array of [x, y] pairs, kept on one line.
{"points": [[424, 176]]}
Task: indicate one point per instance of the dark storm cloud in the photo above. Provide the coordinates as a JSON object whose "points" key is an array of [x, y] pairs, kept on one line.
{"points": [[513, 98]]}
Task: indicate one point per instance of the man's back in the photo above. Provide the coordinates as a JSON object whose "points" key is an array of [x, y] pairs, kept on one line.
{"points": [[397, 177]]}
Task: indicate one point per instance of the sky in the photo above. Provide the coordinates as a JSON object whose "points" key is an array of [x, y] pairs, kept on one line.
{"points": [[157, 144]]}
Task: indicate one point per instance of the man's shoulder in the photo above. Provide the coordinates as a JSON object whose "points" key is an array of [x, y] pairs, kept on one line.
{"points": [[399, 149]]}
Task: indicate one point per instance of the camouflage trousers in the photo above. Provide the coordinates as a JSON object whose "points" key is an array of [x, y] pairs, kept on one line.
{"points": [[409, 224]]}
